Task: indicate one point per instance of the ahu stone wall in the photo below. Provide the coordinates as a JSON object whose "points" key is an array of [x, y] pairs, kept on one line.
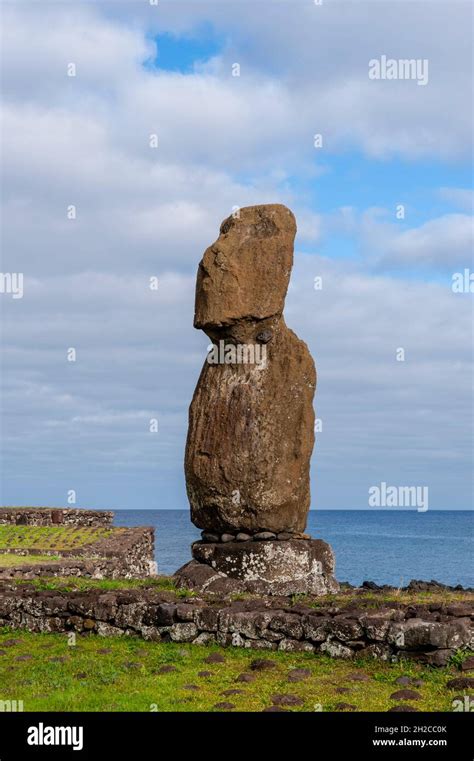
{"points": [[127, 553], [56, 516], [430, 633]]}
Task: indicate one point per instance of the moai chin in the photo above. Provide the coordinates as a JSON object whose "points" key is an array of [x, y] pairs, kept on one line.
{"points": [[251, 420]]}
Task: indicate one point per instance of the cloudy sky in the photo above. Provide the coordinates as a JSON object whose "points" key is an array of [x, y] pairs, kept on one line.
{"points": [[384, 212]]}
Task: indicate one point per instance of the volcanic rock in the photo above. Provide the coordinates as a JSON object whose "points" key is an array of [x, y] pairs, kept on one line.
{"points": [[251, 423]]}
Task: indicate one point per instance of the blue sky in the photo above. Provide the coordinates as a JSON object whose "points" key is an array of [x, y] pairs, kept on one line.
{"points": [[182, 53], [227, 140]]}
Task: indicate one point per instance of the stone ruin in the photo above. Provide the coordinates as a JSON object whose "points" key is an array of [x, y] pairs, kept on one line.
{"points": [[251, 419]]}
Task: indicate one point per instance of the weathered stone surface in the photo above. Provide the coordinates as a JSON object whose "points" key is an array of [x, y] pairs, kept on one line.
{"points": [[53, 516], [336, 649], [183, 632], [251, 424], [295, 646], [260, 644], [344, 629], [206, 619], [186, 612], [205, 638], [267, 622], [316, 627], [287, 624], [250, 624], [376, 625], [377, 650], [272, 566], [194, 575], [246, 272], [417, 634]]}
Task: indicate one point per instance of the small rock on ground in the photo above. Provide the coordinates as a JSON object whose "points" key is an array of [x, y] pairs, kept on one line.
{"points": [[287, 699], [405, 695], [227, 693], [214, 658], [460, 683], [262, 664], [244, 677]]}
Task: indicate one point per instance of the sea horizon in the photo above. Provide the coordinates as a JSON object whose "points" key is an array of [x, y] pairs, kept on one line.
{"points": [[393, 547]]}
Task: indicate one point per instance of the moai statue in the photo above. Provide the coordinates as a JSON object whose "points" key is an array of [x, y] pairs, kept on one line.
{"points": [[251, 420]]}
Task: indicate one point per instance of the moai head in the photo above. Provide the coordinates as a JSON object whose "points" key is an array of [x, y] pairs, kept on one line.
{"points": [[243, 277]]}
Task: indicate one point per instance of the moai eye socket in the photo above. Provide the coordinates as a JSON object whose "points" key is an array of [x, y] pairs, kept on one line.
{"points": [[264, 336]]}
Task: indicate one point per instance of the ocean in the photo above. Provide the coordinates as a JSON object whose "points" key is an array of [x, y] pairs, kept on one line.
{"points": [[385, 546]]}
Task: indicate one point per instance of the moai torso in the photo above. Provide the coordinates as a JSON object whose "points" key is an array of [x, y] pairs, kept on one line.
{"points": [[251, 420]]}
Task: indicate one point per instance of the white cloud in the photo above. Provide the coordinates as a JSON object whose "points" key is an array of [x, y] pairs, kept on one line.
{"points": [[222, 142], [445, 242]]}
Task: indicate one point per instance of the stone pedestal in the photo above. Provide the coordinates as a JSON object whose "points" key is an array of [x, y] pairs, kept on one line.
{"points": [[296, 566]]}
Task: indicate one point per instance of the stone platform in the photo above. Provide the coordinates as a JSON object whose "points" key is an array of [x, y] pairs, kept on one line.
{"points": [[362, 623], [271, 567]]}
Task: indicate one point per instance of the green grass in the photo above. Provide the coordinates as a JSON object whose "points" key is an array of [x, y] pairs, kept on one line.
{"points": [[80, 584], [56, 676], [49, 537], [166, 583], [10, 560], [369, 599]]}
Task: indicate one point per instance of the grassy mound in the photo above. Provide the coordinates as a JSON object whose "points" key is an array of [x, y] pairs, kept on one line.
{"points": [[10, 560], [59, 538]]}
